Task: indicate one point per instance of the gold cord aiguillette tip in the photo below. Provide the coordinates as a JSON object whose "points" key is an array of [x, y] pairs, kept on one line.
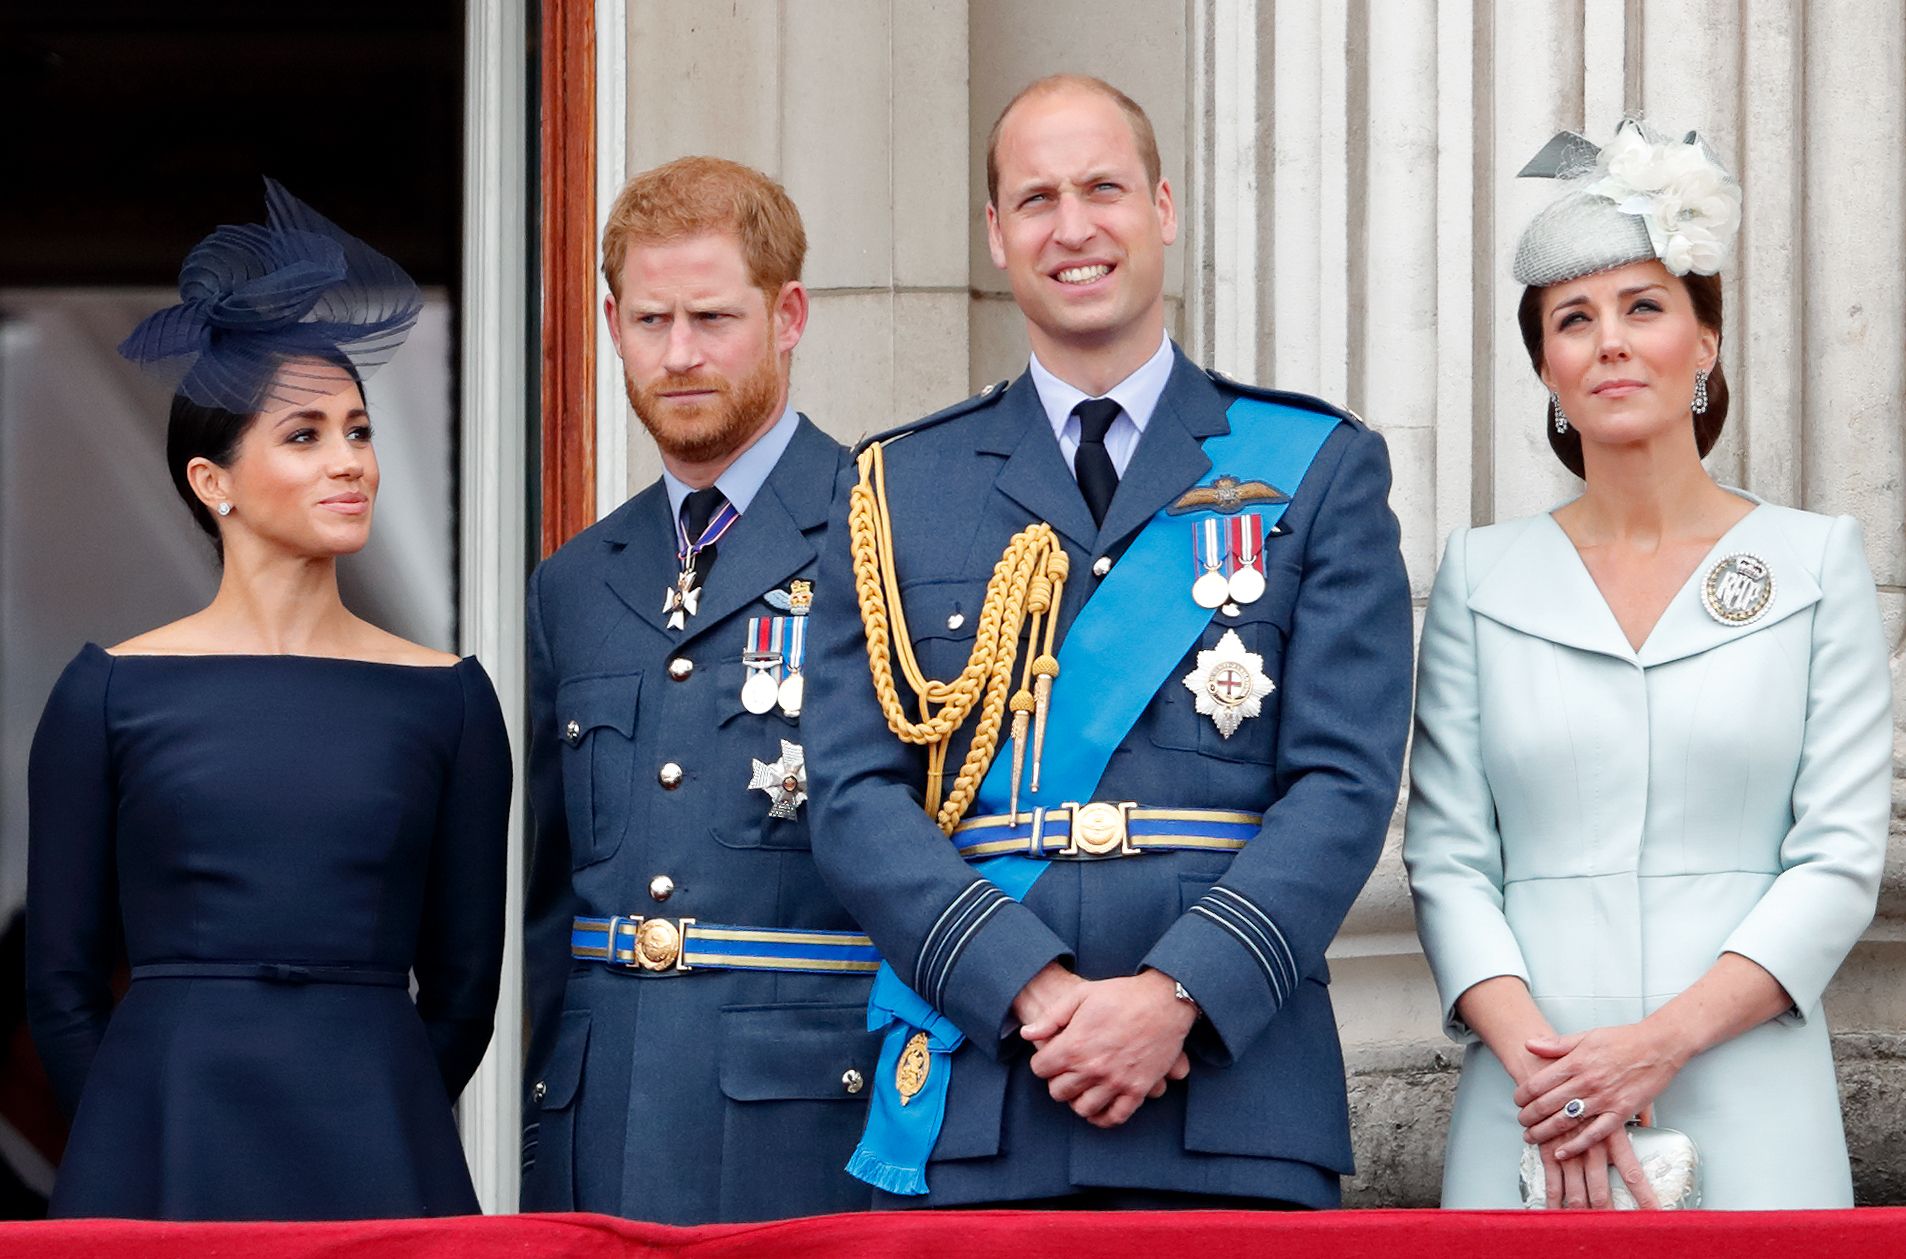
{"points": [[1022, 717], [1044, 670]]}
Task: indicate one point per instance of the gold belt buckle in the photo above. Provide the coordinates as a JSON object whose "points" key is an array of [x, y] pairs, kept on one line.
{"points": [[1099, 829], [658, 942]]}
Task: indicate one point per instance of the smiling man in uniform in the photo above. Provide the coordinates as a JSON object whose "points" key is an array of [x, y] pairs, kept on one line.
{"points": [[1177, 625]]}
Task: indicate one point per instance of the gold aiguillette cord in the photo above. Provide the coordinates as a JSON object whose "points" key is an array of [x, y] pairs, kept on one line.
{"points": [[1027, 585]]}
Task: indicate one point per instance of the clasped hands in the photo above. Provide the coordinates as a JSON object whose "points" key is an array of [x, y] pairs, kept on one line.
{"points": [[1104, 1046], [1616, 1073]]}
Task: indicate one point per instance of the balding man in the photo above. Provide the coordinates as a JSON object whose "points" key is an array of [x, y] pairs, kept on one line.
{"points": [[1176, 625]]}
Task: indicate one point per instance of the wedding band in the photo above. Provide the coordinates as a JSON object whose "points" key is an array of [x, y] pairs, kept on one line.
{"points": [[1574, 1107]]}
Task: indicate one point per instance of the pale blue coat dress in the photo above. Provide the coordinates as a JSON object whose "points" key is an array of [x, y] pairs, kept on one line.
{"points": [[1605, 822]]}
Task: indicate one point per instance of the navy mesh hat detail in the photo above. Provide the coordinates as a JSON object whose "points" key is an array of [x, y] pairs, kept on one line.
{"points": [[267, 313]]}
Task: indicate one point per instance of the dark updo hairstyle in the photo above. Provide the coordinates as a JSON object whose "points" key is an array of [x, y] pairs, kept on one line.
{"points": [[1705, 292], [196, 431]]}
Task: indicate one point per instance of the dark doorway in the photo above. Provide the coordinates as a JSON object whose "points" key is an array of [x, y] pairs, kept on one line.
{"points": [[134, 127]]}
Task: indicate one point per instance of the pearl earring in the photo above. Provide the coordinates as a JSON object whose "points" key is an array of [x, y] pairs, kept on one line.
{"points": [[1561, 420], [224, 509]]}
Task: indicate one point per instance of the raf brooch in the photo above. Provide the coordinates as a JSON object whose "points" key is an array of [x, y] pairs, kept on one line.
{"points": [[1738, 589], [1229, 683], [784, 780]]}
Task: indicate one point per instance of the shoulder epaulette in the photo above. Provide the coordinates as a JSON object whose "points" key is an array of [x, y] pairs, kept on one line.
{"points": [[1286, 397], [984, 398]]}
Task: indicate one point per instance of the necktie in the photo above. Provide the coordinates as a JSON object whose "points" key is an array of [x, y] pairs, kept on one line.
{"points": [[1098, 479], [697, 510]]}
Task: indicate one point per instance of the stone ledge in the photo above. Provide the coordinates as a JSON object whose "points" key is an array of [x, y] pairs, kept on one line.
{"points": [[1400, 1099]]}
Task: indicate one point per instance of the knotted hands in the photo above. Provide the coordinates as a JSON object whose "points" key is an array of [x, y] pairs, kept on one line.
{"points": [[1105, 1046]]}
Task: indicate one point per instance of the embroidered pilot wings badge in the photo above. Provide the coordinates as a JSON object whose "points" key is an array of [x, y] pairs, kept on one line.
{"points": [[1226, 495]]}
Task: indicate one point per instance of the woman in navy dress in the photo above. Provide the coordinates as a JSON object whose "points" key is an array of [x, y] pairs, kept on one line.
{"points": [[277, 813]]}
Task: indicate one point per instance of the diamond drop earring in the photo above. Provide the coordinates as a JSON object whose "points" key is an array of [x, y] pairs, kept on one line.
{"points": [[1561, 420], [1700, 393]]}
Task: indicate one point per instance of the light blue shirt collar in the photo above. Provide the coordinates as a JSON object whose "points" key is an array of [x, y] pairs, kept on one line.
{"points": [[744, 477], [1137, 396]]}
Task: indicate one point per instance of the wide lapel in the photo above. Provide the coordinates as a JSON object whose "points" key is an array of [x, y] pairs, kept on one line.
{"points": [[1170, 457], [1686, 628], [1036, 476], [1539, 586], [643, 570], [768, 544]]}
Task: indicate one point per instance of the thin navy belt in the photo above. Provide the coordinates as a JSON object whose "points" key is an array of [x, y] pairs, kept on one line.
{"points": [[275, 972]]}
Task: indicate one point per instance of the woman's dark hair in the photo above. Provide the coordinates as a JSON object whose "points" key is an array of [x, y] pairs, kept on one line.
{"points": [[193, 432], [1705, 293], [196, 431]]}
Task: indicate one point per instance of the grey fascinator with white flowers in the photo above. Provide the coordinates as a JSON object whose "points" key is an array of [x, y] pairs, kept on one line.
{"points": [[1641, 196]]}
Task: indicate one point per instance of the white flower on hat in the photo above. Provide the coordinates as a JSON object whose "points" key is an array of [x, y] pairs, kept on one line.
{"points": [[1692, 209]]}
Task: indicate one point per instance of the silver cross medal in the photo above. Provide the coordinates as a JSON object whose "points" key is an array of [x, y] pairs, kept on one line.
{"points": [[784, 780], [683, 597]]}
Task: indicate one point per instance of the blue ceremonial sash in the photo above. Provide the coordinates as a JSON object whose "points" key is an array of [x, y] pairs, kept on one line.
{"points": [[1117, 653]]}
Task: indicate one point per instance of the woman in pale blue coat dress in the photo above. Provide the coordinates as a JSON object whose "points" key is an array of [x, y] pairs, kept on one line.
{"points": [[1651, 775]]}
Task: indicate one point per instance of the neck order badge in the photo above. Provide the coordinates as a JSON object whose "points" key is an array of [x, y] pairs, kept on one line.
{"points": [[1121, 648]]}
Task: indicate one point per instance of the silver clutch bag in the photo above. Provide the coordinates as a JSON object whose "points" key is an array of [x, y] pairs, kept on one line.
{"points": [[1668, 1159]]}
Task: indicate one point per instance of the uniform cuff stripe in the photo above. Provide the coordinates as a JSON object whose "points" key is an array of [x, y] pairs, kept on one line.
{"points": [[953, 955], [1281, 945], [1272, 975], [970, 908]]}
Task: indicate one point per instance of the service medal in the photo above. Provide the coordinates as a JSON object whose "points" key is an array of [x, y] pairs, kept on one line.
{"points": [[1209, 547], [1229, 683], [784, 780], [1738, 590], [758, 692], [794, 685], [1247, 551], [763, 656]]}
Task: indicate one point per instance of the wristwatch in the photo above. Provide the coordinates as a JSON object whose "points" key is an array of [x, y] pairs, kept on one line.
{"points": [[1178, 990]]}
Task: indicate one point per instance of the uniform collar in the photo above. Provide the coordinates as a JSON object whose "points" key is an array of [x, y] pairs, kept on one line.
{"points": [[1137, 395], [743, 478], [1540, 586]]}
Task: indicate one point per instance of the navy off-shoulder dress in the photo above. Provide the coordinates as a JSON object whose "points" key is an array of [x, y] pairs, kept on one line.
{"points": [[279, 843]]}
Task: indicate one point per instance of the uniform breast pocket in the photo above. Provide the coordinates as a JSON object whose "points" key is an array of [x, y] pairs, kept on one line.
{"points": [[795, 1081], [595, 718], [942, 616], [1226, 683]]}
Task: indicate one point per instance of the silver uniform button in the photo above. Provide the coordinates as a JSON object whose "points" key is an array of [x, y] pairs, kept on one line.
{"points": [[851, 1081], [680, 667], [541, 1091], [1101, 566], [955, 621], [573, 733], [670, 776], [661, 887]]}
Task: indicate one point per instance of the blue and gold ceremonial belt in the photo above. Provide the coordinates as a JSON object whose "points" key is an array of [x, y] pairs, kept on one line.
{"points": [[684, 944], [1100, 830]]}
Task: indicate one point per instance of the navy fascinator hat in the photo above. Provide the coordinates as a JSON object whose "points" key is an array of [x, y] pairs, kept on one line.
{"points": [[266, 313]]}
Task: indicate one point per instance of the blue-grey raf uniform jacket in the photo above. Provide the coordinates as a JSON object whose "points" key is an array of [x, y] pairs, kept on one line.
{"points": [[708, 1095], [1263, 1113]]}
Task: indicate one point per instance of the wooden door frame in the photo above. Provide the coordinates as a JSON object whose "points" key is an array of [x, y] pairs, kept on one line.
{"points": [[567, 229]]}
